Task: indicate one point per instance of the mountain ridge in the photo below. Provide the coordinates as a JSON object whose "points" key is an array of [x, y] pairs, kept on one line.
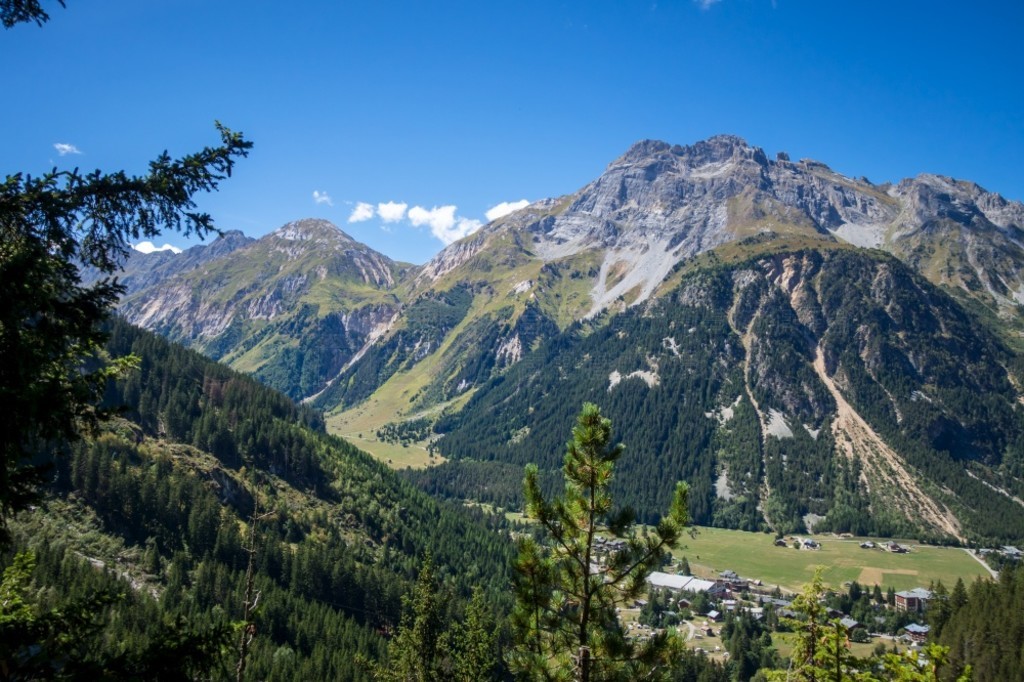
{"points": [[417, 342]]}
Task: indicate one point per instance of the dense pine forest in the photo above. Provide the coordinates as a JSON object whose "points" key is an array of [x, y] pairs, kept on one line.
{"points": [[673, 372], [163, 496]]}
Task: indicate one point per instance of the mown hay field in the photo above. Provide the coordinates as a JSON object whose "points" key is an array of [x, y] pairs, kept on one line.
{"points": [[755, 556]]}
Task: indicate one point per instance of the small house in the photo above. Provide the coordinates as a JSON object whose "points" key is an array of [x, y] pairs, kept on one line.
{"points": [[917, 632]]}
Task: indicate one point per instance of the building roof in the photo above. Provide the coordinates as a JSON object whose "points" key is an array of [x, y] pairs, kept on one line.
{"points": [[699, 585], [848, 623], [673, 582], [783, 603], [679, 582], [918, 629], [916, 593]]}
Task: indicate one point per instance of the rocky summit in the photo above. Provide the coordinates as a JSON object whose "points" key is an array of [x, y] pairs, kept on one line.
{"points": [[659, 204]]}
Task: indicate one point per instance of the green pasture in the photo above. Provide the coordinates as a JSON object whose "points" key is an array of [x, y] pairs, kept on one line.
{"points": [[395, 455], [754, 556]]}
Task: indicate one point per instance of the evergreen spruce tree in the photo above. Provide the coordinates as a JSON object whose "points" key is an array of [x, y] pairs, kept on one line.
{"points": [[473, 643], [567, 590], [427, 648]]}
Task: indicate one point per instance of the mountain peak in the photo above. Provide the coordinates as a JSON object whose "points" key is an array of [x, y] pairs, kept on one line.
{"points": [[308, 229], [715, 149]]}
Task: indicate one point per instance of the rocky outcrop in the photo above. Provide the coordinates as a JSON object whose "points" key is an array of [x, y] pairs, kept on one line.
{"points": [[145, 270]]}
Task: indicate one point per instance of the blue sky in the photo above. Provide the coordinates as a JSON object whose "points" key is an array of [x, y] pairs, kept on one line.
{"points": [[469, 105]]}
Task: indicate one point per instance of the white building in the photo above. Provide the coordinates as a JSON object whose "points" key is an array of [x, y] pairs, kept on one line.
{"points": [[679, 583]]}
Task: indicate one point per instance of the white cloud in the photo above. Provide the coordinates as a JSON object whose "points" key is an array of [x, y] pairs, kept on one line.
{"points": [[443, 222], [441, 218], [322, 198], [706, 4], [463, 228], [361, 213], [392, 211], [63, 148], [149, 247], [504, 208]]}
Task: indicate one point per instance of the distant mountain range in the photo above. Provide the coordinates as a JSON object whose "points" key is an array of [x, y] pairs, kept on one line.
{"points": [[805, 348]]}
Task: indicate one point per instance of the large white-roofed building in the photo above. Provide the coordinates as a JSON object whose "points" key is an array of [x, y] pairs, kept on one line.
{"points": [[679, 583]]}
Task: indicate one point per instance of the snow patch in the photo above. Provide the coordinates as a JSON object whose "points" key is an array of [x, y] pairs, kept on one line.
{"points": [[813, 433], [865, 235], [649, 378], [722, 486], [777, 425]]}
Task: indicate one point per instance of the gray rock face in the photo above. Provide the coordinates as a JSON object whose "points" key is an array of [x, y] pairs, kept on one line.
{"points": [[143, 270], [307, 287], [659, 204]]}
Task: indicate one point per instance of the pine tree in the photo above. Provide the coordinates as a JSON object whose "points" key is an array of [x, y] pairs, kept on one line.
{"points": [[54, 371], [416, 653], [428, 648], [473, 643], [566, 592]]}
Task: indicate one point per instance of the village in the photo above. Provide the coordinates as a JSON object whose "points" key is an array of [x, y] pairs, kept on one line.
{"points": [[707, 610]]}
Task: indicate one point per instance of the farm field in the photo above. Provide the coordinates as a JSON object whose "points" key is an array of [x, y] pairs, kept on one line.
{"points": [[753, 555]]}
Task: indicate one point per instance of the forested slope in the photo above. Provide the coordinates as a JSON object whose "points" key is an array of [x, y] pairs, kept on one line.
{"points": [[160, 497], [826, 386]]}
